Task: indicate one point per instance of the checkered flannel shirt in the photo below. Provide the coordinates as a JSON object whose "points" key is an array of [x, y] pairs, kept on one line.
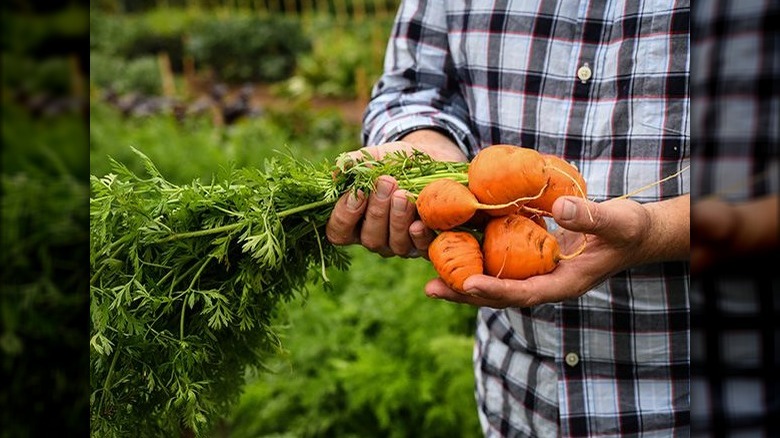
{"points": [[604, 85], [735, 310]]}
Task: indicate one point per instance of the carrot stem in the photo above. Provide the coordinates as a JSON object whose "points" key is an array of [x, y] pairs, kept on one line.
{"points": [[512, 203], [643, 188]]}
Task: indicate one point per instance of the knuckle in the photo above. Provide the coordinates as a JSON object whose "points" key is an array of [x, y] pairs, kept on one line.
{"points": [[636, 228], [376, 211], [335, 238], [337, 232]]}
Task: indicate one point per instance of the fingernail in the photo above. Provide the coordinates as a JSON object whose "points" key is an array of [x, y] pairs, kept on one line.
{"points": [[399, 204], [353, 201], [383, 189], [413, 253], [569, 210], [474, 292]]}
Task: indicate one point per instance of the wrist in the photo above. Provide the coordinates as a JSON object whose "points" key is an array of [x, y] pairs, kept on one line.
{"points": [[668, 236], [436, 144]]}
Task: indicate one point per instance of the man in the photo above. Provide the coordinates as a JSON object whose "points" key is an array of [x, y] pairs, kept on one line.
{"points": [[600, 345]]}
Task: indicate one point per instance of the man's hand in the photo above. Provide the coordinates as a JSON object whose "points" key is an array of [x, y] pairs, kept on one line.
{"points": [[620, 234], [386, 222]]}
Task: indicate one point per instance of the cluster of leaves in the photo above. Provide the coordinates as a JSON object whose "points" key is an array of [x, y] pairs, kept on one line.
{"points": [[186, 279]]}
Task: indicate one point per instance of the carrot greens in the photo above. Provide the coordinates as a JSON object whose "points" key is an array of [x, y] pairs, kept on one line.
{"points": [[186, 279]]}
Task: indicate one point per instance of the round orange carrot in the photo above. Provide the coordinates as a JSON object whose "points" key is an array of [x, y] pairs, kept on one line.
{"points": [[445, 203], [515, 247], [500, 174], [456, 256], [564, 180]]}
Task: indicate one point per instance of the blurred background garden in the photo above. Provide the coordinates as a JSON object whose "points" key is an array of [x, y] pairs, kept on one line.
{"points": [[198, 86]]}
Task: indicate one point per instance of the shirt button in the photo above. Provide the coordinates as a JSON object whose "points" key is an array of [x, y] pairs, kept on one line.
{"points": [[572, 359], [584, 73]]}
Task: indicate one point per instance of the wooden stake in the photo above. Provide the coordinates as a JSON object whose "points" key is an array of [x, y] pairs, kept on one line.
{"points": [[358, 10], [166, 74], [76, 76], [362, 87], [188, 67], [342, 14]]}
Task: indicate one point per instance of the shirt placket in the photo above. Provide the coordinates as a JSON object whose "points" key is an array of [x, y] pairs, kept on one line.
{"points": [[572, 356]]}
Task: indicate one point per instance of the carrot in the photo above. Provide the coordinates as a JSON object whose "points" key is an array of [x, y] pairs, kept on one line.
{"points": [[515, 247], [564, 180], [456, 256], [445, 203], [500, 174]]}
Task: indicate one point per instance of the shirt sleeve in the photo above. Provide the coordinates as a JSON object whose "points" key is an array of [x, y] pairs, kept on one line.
{"points": [[419, 87]]}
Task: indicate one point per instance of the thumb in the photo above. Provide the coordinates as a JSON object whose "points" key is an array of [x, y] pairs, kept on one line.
{"points": [[578, 214]]}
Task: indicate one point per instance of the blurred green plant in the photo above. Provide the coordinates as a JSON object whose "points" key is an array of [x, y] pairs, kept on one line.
{"points": [[339, 54], [238, 47], [374, 357], [252, 48], [142, 35], [24, 74], [195, 148], [136, 75], [44, 285]]}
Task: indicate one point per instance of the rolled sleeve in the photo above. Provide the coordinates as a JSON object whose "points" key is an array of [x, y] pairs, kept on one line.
{"points": [[414, 117], [419, 88]]}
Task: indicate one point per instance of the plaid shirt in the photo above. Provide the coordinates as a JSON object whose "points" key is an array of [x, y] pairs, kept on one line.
{"points": [[735, 310], [604, 85]]}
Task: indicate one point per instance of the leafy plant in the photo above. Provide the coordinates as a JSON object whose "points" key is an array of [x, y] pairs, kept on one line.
{"points": [[186, 279]]}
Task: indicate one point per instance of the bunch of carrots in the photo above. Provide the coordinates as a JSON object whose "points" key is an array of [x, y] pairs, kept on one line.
{"points": [[514, 188]]}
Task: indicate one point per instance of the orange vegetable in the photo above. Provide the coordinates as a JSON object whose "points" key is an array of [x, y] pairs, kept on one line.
{"points": [[564, 180], [500, 174], [445, 203], [515, 247], [456, 256]]}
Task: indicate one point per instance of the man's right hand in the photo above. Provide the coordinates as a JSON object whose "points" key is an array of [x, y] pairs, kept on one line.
{"points": [[386, 221]]}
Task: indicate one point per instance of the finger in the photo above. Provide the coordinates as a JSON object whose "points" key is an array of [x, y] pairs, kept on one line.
{"points": [[422, 237], [577, 214], [374, 231], [567, 281], [438, 290], [616, 219], [401, 217], [509, 293], [343, 225]]}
